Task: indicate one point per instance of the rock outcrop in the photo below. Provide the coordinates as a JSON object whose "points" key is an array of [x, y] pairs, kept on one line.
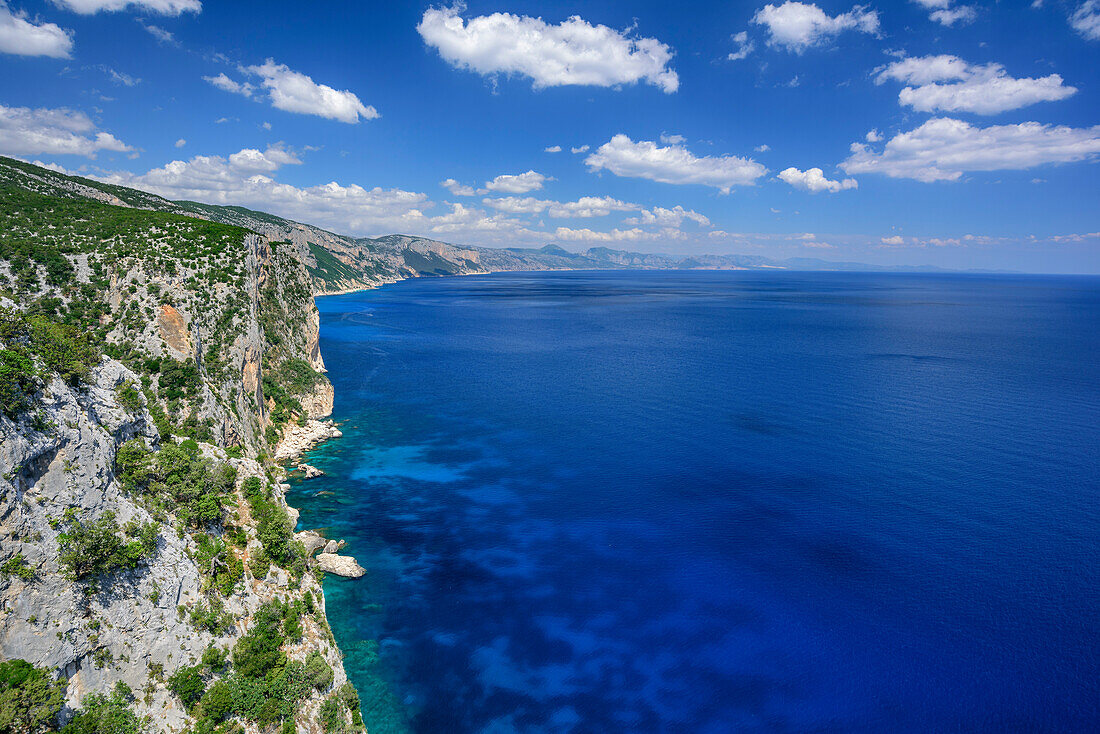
{"points": [[340, 565], [296, 440]]}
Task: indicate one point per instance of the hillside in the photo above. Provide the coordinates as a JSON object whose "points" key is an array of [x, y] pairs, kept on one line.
{"points": [[153, 358]]}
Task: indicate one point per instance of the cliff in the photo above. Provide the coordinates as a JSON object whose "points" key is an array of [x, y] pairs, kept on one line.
{"points": [[151, 361]]}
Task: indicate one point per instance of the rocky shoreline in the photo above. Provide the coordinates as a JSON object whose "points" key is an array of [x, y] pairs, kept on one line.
{"points": [[295, 441]]}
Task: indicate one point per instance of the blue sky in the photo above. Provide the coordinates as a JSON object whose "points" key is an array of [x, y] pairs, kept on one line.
{"points": [[974, 124]]}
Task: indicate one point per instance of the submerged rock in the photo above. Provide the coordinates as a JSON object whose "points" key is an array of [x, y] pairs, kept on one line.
{"points": [[340, 565]]}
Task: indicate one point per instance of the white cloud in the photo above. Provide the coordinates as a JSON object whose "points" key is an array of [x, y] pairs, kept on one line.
{"points": [[963, 14], [673, 164], [119, 77], [293, 91], [457, 188], [585, 207], [895, 240], [160, 34], [26, 131], [945, 12], [763, 148], [552, 149], [572, 52], [949, 84], [943, 149], [579, 149], [164, 7], [672, 139], [519, 183], [24, 37], [797, 26], [662, 217], [224, 83], [243, 178], [634, 234], [814, 181], [1086, 20], [180, 143], [873, 136], [744, 47]]}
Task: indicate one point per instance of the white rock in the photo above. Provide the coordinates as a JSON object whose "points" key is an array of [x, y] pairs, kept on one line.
{"points": [[340, 565]]}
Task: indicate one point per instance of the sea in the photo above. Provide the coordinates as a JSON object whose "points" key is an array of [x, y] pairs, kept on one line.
{"points": [[713, 502]]}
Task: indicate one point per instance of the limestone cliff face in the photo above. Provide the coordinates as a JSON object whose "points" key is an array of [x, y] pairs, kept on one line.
{"points": [[204, 322], [127, 626]]}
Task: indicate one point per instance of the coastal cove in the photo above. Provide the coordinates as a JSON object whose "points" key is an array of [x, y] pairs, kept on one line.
{"points": [[714, 501]]}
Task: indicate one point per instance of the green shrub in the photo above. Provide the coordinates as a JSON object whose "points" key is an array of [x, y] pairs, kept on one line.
{"points": [[318, 672], [218, 703], [129, 396], [188, 684], [29, 699], [17, 566], [257, 653], [93, 548], [101, 714], [193, 487]]}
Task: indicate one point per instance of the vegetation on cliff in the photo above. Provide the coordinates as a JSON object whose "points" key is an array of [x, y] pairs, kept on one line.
{"points": [[218, 327]]}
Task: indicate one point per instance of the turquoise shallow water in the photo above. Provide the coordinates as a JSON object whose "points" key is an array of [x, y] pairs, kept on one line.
{"points": [[713, 502]]}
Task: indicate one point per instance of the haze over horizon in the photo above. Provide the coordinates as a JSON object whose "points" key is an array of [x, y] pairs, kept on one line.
{"points": [[925, 132]]}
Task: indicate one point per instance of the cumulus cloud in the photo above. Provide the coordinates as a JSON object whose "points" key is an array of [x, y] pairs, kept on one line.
{"points": [[797, 26], [224, 83], [552, 149], [945, 12], [585, 207], [1086, 20], [814, 181], [292, 91], [672, 139], [163, 7], [673, 164], [873, 136], [894, 241], [579, 149], [244, 178], [180, 143], [662, 217], [948, 84], [573, 52], [24, 37], [457, 188], [519, 183], [943, 149], [744, 47], [634, 234], [763, 148], [26, 131]]}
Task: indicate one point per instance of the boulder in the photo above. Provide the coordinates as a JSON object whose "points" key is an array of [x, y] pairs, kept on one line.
{"points": [[340, 565], [309, 472], [312, 541]]}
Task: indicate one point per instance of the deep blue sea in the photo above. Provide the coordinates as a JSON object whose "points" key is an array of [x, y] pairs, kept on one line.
{"points": [[712, 502]]}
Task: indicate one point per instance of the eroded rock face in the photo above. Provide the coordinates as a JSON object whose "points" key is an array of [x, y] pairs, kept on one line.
{"points": [[130, 625], [340, 565], [174, 331]]}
